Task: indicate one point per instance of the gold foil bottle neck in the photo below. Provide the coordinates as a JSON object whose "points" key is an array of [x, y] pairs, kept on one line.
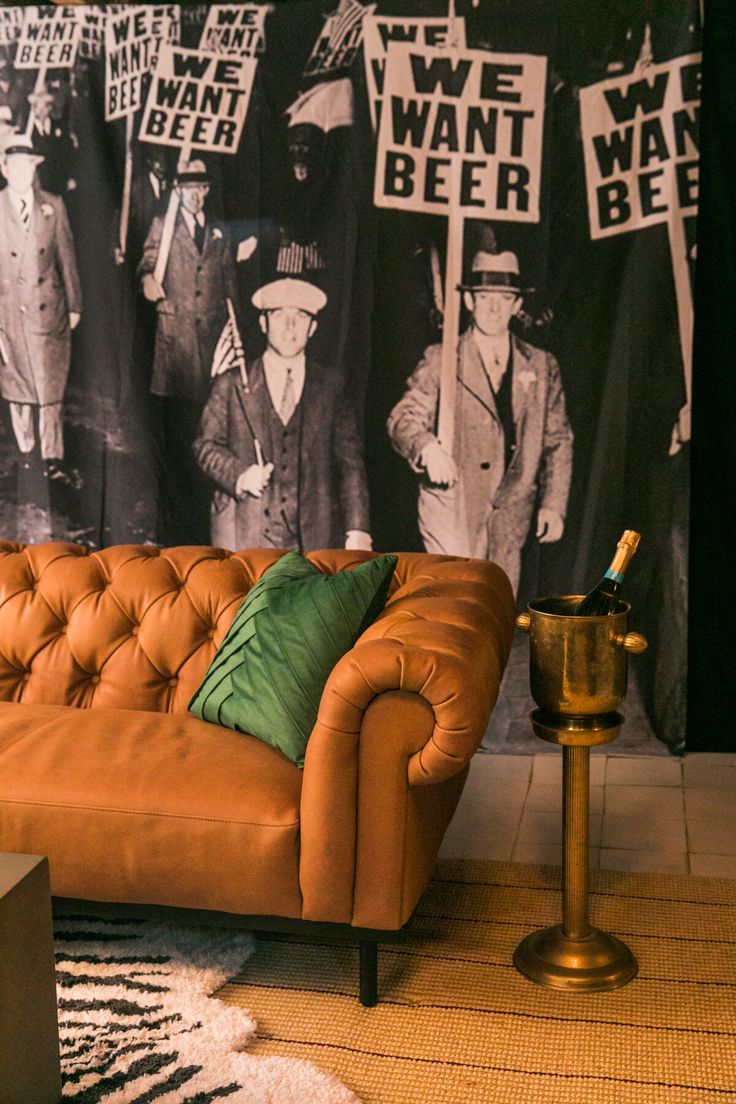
{"points": [[631, 539]]}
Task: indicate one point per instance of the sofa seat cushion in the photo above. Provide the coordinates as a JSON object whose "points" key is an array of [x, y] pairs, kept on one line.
{"points": [[150, 808]]}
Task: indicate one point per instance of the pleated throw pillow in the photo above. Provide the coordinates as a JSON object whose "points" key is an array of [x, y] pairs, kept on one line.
{"points": [[268, 674]]}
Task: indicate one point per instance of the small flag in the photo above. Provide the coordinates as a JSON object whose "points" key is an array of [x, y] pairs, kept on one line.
{"points": [[343, 22], [229, 352]]}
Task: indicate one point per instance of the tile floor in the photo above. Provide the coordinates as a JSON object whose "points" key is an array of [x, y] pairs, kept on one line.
{"points": [[647, 812]]}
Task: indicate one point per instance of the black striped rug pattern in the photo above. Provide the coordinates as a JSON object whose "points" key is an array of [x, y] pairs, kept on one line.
{"points": [[137, 1024]]}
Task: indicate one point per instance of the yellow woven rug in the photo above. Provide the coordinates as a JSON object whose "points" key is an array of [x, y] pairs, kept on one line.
{"points": [[456, 1024]]}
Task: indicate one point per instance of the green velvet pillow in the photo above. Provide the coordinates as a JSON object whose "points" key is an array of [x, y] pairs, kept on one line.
{"points": [[268, 674]]}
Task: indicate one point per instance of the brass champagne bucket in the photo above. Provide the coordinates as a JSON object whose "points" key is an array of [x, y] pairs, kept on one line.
{"points": [[577, 669]]}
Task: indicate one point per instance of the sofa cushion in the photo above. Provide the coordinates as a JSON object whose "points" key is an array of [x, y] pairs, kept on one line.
{"points": [[268, 675], [150, 808]]}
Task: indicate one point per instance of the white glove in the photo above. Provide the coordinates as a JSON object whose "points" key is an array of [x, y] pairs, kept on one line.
{"points": [[246, 249], [152, 288], [358, 539], [438, 464], [253, 480], [681, 430], [550, 526]]}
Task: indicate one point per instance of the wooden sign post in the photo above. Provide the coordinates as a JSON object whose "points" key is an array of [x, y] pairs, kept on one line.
{"points": [[460, 135]]}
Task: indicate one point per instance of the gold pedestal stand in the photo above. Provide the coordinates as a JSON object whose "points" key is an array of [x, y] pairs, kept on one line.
{"points": [[578, 678]]}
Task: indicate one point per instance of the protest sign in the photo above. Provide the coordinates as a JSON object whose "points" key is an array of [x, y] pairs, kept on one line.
{"points": [[640, 143], [641, 149], [133, 39], [91, 30], [461, 129], [198, 99], [234, 29], [339, 40], [380, 30], [48, 39], [10, 24]]}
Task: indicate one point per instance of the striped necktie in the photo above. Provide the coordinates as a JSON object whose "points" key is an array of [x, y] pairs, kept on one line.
{"points": [[25, 214], [288, 400]]}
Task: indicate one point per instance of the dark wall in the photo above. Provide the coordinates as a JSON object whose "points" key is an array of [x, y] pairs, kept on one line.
{"points": [[711, 724]]}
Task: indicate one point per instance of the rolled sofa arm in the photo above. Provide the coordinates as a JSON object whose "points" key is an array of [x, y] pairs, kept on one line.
{"points": [[444, 636]]}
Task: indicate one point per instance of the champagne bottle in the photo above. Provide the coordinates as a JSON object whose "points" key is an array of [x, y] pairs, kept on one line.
{"points": [[606, 594]]}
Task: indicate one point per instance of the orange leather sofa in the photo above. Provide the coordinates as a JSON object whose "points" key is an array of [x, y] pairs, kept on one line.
{"points": [[134, 800]]}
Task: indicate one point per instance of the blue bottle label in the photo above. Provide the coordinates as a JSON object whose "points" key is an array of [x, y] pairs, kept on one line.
{"points": [[617, 578]]}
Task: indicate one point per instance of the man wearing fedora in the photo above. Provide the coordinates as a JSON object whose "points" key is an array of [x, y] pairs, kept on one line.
{"points": [[191, 312], [512, 448], [40, 304], [280, 441]]}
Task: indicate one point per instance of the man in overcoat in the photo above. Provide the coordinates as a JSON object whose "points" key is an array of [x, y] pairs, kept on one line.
{"points": [[281, 442], [40, 304], [512, 448], [191, 312]]}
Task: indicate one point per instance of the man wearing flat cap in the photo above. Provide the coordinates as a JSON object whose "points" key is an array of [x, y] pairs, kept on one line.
{"points": [[191, 312], [40, 304], [280, 441], [512, 451]]}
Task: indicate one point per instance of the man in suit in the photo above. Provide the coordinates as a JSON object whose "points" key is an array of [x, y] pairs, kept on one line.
{"points": [[512, 448], [53, 142], [281, 443], [192, 310], [148, 197], [40, 304], [11, 91]]}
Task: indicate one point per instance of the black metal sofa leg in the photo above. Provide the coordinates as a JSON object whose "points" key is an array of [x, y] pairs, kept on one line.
{"points": [[368, 958]]}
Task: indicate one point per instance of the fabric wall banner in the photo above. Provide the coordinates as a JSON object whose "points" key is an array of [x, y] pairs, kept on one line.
{"points": [[306, 274]]}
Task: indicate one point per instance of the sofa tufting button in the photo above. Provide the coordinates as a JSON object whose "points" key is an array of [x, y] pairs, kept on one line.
{"points": [[94, 679], [173, 682], [210, 634], [134, 630], [26, 676], [62, 628]]}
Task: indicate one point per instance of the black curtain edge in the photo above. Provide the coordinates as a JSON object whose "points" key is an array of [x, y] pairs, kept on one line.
{"points": [[712, 591]]}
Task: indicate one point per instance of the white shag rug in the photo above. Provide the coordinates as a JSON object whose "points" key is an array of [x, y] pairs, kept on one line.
{"points": [[137, 1023]]}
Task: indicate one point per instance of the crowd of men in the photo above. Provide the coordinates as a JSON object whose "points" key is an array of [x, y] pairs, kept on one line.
{"points": [[264, 450]]}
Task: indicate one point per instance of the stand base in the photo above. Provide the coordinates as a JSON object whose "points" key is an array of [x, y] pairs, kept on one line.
{"points": [[593, 964]]}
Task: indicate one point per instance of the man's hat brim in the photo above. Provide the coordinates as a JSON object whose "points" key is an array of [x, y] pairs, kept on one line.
{"points": [[495, 281], [10, 150]]}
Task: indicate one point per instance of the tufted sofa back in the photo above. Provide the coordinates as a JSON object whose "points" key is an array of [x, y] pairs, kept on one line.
{"points": [[131, 626]]}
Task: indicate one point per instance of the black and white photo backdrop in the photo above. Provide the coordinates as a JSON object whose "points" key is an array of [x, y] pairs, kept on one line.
{"points": [[402, 275]]}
